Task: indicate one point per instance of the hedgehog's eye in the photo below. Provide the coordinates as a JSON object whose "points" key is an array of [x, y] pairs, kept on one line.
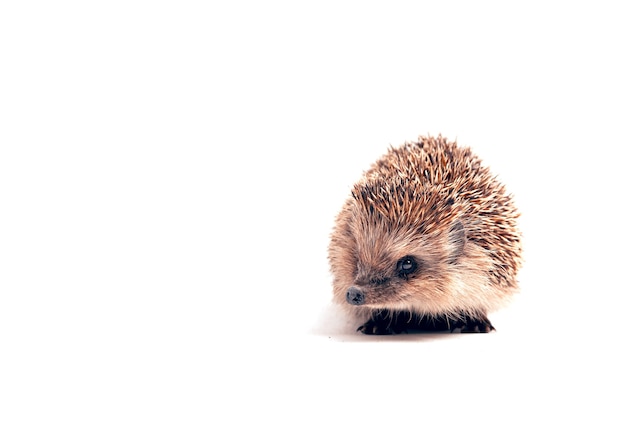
{"points": [[406, 266]]}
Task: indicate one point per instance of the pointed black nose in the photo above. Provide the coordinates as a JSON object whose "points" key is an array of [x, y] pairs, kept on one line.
{"points": [[355, 296]]}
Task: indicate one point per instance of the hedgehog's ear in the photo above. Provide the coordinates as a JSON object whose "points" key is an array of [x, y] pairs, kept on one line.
{"points": [[457, 239]]}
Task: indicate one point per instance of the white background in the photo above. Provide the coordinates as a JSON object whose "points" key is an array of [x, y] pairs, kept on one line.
{"points": [[170, 172]]}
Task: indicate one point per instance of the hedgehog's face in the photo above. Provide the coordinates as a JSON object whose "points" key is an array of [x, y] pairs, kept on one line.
{"points": [[383, 287], [381, 265]]}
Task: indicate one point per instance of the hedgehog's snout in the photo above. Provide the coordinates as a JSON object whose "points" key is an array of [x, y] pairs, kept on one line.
{"points": [[355, 296]]}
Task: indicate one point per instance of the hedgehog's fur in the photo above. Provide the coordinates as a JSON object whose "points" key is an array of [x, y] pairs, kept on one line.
{"points": [[432, 206]]}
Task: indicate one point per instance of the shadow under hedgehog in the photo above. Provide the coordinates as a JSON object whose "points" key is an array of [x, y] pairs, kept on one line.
{"points": [[428, 241]]}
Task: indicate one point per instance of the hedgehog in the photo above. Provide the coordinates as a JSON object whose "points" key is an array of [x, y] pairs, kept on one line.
{"points": [[427, 241]]}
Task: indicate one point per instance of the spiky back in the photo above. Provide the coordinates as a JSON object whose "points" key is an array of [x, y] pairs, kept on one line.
{"points": [[427, 185]]}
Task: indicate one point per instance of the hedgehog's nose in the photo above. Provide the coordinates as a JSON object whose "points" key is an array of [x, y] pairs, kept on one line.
{"points": [[355, 296]]}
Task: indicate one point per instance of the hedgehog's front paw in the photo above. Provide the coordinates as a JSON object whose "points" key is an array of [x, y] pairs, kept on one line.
{"points": [[472, 325], [385, 323], [373, 327]]}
